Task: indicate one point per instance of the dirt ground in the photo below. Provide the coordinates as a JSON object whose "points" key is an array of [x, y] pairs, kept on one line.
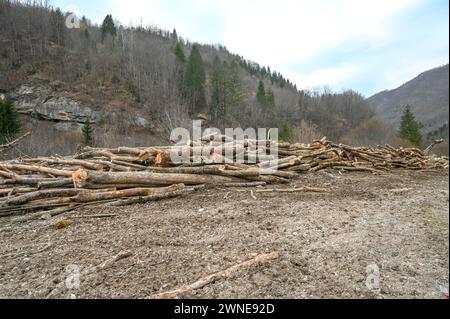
{"points": [[396, 223]]}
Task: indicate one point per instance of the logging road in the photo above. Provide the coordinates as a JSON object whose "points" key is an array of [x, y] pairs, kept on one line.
{"points": [[397, 221]]}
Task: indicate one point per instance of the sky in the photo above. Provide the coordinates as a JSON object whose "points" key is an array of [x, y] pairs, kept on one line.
{"points": [[364, 45]]}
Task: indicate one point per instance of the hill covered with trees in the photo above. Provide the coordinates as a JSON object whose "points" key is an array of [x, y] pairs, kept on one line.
{"points": [[427, 94], [136, 83]]}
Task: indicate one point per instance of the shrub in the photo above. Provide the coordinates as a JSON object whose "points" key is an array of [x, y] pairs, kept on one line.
{"points": [[9, 121]]}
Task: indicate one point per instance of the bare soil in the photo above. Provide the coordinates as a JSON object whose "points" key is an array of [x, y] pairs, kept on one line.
{"points": [[397, 221]]}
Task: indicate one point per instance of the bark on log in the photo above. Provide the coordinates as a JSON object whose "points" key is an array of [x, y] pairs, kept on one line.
{"points": [[50, 182], [150, 198], [142, 192], [55, 183], [81, 177], [16, 190], [250, 184], [293, 190], [113, 166], [22, 199], [73, 162], [34, 168]]}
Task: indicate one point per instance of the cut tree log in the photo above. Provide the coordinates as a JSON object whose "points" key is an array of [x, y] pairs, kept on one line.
{"points": [[86, 197], [81, 177], [22, 199], [293, 190], [250, 184], [72, 162], [35, 168], [149, 198], [16, 190], [202, 282]]}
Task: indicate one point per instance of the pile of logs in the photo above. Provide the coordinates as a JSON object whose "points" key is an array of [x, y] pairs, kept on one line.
{"points": [[47, 186]]}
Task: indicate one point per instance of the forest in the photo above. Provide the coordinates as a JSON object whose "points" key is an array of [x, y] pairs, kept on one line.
{"points": [[158, 73]]}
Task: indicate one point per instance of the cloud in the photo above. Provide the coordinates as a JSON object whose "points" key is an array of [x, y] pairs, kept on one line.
{"points": [[288, 31], [197, 20], [323, 77]]}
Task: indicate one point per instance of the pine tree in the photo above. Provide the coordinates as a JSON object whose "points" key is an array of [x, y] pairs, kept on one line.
{"points": [[226, 89], [58, 26], [108, 27], [9, 121], [180, 67], [270, 100], [234, 91], [194, 80], [217, 110], [88, 133], [179, 53], [410, 128], [261, 93], [286, 132], [174, 35]]}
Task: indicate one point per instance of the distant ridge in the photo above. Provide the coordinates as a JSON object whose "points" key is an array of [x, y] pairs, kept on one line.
{"points": [[427, 94]]}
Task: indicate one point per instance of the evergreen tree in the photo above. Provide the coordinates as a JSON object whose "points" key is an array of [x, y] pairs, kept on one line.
{"points": [[266, 99], [9, 121], [58, 26], [108, 27], [234, 91], [88, 133], [194, 80], [285, 132], [270, 100], [410, 128], [179, 67], [175, 35], [261, 93], [179, 53], [217, 109], [226, 89]]}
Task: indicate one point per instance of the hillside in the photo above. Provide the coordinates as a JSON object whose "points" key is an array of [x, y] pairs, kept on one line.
{"points": [[428, 96], [136, 163], [136, 84]]}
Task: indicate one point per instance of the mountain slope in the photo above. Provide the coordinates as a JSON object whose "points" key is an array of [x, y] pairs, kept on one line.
{"points": [[427, 94], [132, 83]]}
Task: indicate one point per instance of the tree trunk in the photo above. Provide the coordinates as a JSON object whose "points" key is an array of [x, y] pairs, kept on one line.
{"points": [[81, 177]]}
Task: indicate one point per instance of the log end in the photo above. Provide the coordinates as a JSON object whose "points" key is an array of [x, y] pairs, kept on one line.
{"points": [[79, 178], [162, 159]]}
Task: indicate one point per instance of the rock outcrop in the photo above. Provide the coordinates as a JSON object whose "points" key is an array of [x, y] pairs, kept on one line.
{"points": [[45, 102], [41, 102]]}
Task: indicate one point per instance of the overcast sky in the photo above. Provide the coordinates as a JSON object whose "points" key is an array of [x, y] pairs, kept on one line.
{"points": [[365, 45]]}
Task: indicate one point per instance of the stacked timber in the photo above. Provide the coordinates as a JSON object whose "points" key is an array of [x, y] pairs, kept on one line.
{"points": [[47, 186]]}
